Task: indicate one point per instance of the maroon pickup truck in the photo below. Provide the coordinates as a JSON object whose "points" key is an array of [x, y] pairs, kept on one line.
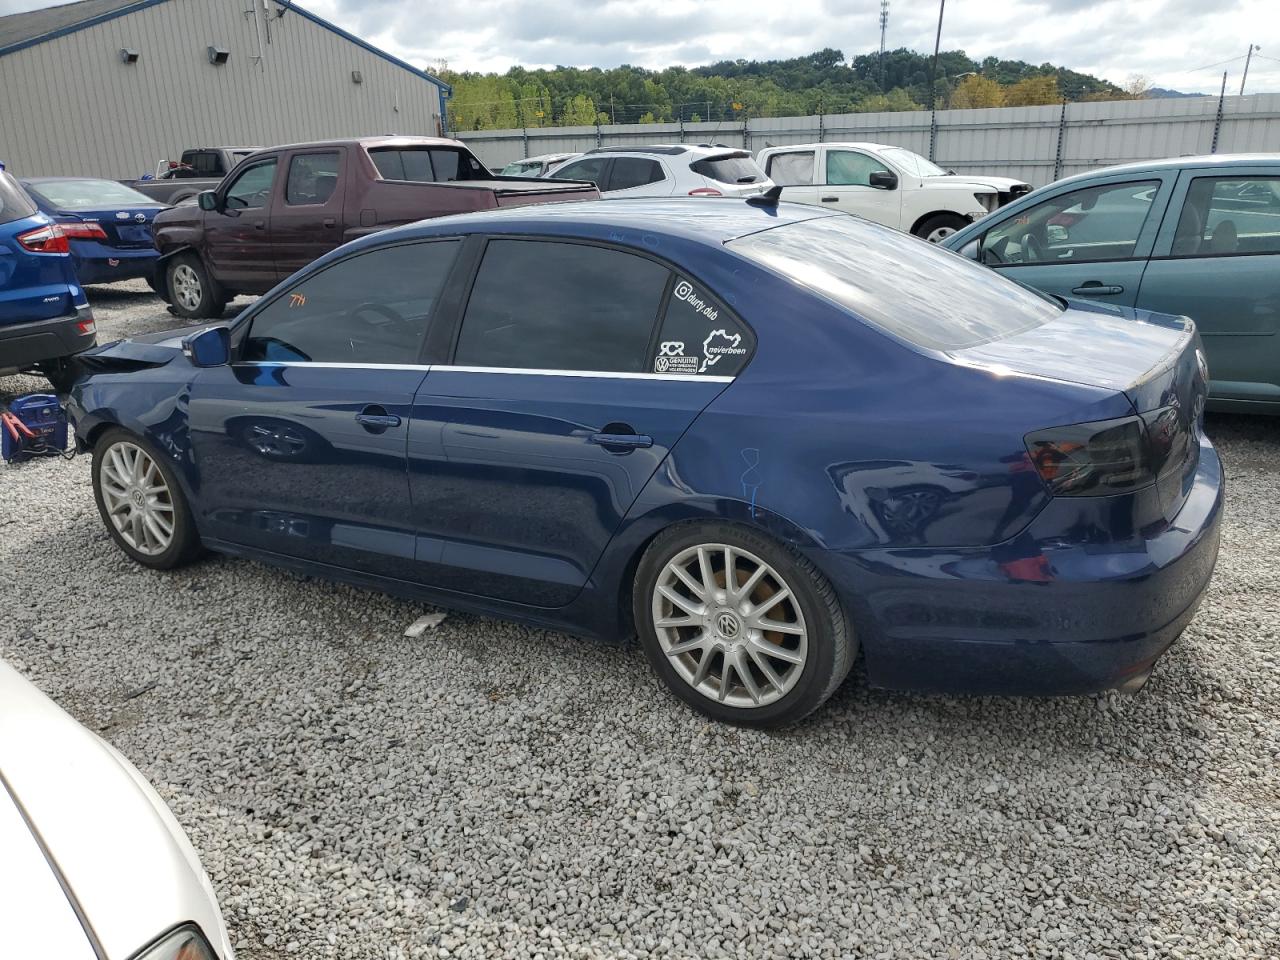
{"points": [[283, 207]]}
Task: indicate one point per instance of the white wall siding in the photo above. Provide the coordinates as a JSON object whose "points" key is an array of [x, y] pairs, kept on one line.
{"points": [[1021, 142], [71, 107]]}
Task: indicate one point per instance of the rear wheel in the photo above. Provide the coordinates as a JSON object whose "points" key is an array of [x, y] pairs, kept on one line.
{"points": [[740, 627], [193, 293], [937, 228], [141, 503]]}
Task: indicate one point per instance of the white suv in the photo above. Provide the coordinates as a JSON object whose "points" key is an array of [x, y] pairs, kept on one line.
{"points": [[668, 170], [890, 185]]}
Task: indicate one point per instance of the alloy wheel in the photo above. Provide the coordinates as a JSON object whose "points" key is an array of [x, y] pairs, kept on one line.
{"points": [[185, 284], [939, 234], [138, 500], [730, 625]]}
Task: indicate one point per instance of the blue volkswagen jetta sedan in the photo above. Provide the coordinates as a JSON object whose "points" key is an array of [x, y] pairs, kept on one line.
{"points": [[761, 437]]}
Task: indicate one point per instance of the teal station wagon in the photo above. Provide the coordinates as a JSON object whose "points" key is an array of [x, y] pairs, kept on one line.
{"points": [[1198, 236]]}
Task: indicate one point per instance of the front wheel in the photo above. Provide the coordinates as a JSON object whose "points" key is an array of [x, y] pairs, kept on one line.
{"points": [[739, 626], [193, 293], [141, 503], [940, 226]]}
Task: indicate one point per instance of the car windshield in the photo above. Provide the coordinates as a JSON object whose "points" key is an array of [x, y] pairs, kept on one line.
{"points": [[522, 168], [914, 290], [87, 194], [913, 163]]}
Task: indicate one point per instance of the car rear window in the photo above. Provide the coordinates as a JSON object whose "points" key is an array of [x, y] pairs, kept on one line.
{"points": [[426, 164], [14, 203], [87, 194], [912, 289], [729, 168]]}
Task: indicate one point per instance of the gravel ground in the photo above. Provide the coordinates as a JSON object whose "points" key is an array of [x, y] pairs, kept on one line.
{"points": [[490, 790]]}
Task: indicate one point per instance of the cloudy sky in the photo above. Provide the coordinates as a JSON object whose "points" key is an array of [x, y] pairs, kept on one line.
{"points": [[1164, 40]]}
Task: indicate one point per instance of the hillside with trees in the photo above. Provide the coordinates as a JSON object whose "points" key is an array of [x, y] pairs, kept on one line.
{"points": [[822, 82]]}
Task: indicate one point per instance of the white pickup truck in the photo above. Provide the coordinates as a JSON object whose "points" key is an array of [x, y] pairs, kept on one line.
{"points": [[890, 185]]}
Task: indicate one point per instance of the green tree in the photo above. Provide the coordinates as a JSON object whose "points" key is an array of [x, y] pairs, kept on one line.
{"points": [[976, 91], [1033, 91], [896, 99], [579, 111]]}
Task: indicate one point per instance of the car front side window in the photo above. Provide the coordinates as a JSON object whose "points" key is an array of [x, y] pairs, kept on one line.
{"points": [[851, 168], [370, 308], [1093, 223], [252, 188], [549, 305]]}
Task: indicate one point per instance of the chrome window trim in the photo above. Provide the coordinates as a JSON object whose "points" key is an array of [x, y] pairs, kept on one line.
{"points": [[526, 371]]}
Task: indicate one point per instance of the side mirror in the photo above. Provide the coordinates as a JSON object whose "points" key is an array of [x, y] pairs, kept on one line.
{"points": [[883, 180], [972, 250], [207, 199], [210, 347]]}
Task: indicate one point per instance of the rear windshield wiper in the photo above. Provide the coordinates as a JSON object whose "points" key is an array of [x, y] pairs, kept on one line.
{"points": [[750, 179]]}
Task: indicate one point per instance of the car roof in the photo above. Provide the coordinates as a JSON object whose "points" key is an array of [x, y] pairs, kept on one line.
{"points": [[865, 144], [669, 149], [1214, 160], [705, 220], [545, 157], [367, 143], [57, 179]]}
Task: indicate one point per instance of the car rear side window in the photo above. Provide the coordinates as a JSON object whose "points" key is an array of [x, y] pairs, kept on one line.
{"points": [[370, 308], [592, 169], [14, 202], [203, 163], [699, 335], [631, 172], [1229, 215], [547, 305], [793, 169], [312, 179], [925, 295], [729, 168]]}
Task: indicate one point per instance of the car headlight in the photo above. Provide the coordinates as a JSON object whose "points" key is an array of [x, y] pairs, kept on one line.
{"points": [[184, 943], [989, 201]]}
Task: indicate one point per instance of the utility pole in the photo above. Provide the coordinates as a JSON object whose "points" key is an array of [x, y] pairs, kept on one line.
{"points": [[884, 26], [933, 84], [1247, 59]]}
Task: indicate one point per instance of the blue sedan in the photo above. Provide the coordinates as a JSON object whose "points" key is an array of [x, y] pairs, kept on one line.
{"points": [[107, 224], [761, 436]]}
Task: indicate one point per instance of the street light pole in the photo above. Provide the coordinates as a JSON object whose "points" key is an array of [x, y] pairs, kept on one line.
{"points": [[933, 84], [1247, 59]]}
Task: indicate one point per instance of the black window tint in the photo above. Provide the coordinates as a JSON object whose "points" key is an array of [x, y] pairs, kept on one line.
{"points": [[634, 172], [370, 308], [732, 168], [1226, 215], [700, 336], [592, 169], [425, 164], [929, 296], [252, 188], [203, 163], [560, 306], [14, 202], [312, 178], [791, 169]]}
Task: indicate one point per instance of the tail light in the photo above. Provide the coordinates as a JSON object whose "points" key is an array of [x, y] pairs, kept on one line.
{"points": [[1108, 457], [705, 192], [83, 231], [48, 239]]}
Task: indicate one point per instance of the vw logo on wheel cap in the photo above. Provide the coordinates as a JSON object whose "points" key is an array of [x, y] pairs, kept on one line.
{"points": [[727, 625]]}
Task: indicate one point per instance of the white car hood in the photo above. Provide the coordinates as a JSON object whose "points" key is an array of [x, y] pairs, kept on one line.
{"points": [[964, 180], [122, 857]]}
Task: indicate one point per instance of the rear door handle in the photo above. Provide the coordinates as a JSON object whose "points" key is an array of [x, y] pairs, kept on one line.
{"points": [[621, 441], [260, 225], [830, 199], [330, 222], [375, 419], [1095, 288]]}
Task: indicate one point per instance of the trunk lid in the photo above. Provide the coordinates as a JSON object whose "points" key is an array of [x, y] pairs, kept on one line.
{"points": [[127, 229], [1154, 359]]}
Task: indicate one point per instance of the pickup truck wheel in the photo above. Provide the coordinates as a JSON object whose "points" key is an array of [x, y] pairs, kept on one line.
{"points": [[937, 228], [193, 293]]}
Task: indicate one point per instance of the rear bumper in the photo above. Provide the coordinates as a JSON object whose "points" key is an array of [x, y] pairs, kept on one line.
{"points": [[1060, 615], [101, 264], [26, 344]]}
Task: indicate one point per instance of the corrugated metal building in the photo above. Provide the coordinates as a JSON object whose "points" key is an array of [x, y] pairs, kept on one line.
{"points": [[111, 87]]}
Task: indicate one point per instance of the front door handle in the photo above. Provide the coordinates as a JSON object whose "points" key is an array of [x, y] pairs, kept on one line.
{"points": [[330, 222], [375, 419], [260, 225], [621, 442], [830, 199], [1095, 288]]}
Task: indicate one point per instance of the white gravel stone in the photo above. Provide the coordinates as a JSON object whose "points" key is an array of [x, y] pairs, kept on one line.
{"points": [[512, 792]]}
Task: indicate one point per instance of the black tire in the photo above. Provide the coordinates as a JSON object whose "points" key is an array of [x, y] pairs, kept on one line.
{"points": [[206, 298], [156, 281], [184, 545], [940, 226], [831, 645]]}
